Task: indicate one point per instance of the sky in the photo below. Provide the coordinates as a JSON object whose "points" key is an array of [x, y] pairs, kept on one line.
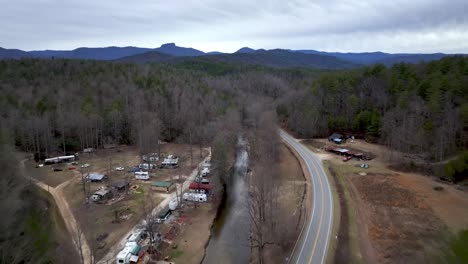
{"points": [[414, 26]]}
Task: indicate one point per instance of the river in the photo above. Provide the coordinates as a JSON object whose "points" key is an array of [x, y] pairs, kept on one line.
{"points": [[229, 242]]}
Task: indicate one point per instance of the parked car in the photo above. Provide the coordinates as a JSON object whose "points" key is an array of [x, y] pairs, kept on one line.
{"points": [[57, 169], [119, 168], [74, 163], [86, 165], [71, 167]]}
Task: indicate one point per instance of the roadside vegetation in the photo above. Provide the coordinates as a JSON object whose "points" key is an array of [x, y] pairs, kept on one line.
{"points": [[419, 109]]}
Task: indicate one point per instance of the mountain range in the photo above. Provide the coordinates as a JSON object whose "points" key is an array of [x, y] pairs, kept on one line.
{"points": [[275, 58]]}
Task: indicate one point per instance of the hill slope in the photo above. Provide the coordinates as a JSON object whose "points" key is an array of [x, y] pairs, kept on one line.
{"points": [[107, 53], [281, 59], [147, 57], [13, 54]]}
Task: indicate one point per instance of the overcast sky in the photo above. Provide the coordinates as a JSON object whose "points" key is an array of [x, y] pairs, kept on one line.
{"points": [[208, 25]]}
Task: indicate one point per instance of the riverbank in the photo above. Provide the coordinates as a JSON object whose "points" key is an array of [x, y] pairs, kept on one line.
{"points": [[291, 208], [193, 229]]}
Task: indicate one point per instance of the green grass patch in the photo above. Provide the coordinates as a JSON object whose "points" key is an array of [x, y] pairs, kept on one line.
{"points": [[456, 250], [353, 233], [336, 216], [175, 253]]}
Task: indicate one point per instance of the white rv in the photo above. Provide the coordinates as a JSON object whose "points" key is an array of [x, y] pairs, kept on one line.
{"points": [[142, 175], [195, 197], [147, 166], [136, 236], [170, 162], [205, 171], [129, 254]]}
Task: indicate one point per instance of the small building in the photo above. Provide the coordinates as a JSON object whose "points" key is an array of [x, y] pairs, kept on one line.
{"points": [[162, 186], [101, 195], [120, 185], [96, 177], [337, 138]]}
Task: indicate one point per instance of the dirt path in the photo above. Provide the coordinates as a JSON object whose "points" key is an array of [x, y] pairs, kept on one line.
{"points": [[70, 222]]}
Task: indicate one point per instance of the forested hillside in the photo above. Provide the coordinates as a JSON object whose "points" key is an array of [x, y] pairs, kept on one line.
{"points": [[66, 105], [55, 106], [420, 109]]}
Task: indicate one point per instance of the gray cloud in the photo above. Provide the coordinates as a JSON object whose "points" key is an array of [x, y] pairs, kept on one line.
{"points": [[332, 25]]}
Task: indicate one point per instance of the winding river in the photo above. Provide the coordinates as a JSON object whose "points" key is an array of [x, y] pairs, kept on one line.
{"points": [[229, 242]]}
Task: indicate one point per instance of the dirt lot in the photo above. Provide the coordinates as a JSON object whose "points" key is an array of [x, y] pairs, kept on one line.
{"points": [[98, 221], [291, 206], [395, 217]]}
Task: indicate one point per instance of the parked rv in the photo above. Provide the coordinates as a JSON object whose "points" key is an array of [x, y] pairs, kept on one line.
{"points": [[142, 175], [136, 236], [164, 214], [129, 254], [147, 166], [151, 157], [59, 159], [205, 171], [195, 197], [101, 195], [170, 162]]}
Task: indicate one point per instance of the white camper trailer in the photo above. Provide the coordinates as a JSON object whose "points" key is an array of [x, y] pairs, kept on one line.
{"points": [[129, 254], [205, 171], [195, 197], [170, 162], [136, 236], [59, 159], [142, 175], [147, 166]]}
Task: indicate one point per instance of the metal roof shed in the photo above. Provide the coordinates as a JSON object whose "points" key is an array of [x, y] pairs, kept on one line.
{"points": [[163, 186]]}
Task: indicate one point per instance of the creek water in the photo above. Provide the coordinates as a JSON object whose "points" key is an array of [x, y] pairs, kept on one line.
{"points": [[229, 242]]}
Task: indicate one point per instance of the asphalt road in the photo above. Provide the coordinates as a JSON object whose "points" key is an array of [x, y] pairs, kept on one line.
{"points": [[312, 246]]}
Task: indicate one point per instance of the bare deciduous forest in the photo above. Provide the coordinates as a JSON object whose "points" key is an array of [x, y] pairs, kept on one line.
{"points": [[56, 106]]}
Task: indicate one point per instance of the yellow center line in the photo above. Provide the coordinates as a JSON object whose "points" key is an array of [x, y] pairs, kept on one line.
{"points": [[321, 210]]}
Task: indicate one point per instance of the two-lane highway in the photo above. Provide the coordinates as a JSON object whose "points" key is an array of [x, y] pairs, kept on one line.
{"points": [[313, 244]]}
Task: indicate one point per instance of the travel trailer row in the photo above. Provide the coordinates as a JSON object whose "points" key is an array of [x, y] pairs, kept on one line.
{"points": [[129, 254]]}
